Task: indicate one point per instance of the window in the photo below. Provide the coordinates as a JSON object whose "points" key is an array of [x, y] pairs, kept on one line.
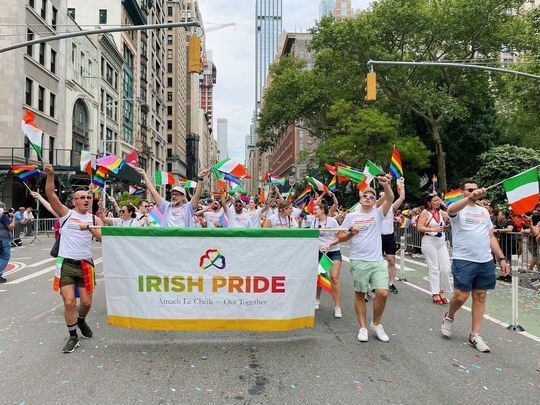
{"points": [[44, 9], [169, 11], [73, 54], [169, 40], [169, 124], [169, 68], [31, 3], [29, 37], [109, 74], [42, 54], [52, 102], [41, 99], [28, 92], [169, 54], [169, 138], [169, 110], [71, 13], [169, 153], [90, 67], [169, 82], [82, 63], [51, 150], [53, 61], [169, 96], [54, 17], [103, 16]]}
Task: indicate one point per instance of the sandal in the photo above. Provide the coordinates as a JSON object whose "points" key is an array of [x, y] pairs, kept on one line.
{"points": [[443, 299], [437, 299]]}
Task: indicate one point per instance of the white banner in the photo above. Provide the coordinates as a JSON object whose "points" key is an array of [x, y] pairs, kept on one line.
{"points": [[219, 279]]}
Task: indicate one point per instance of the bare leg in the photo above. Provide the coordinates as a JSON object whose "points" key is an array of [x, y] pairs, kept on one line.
{"points": [[378, 305], [477, 310], [336, 285], [68, 295], [360, 307], [457, 300]]}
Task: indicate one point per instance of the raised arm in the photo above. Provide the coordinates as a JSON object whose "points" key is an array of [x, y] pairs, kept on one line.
{"points": [[43, 202], [115, 205], [149, 185], [56, 205], [401, 198], [388, 194], [334, 206], [103, 213], [198, 191]]}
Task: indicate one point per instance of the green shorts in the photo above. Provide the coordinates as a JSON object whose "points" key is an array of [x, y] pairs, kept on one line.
{"points": [[71, 274], [368, 275]]}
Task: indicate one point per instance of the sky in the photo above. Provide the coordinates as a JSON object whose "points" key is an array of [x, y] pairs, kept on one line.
{"points": [[233, 52]]}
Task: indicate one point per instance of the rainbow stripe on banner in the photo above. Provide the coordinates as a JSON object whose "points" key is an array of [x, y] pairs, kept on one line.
{"points": [[25, 173], [453, 196]]}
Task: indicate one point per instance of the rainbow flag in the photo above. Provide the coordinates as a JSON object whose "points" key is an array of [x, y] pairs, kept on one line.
{"points": [[323, 279], [88, 272], [332, 186], [98, 181], [303, 196], [25, 173], [435, 181], [156, 215], [405, 223], [136, 190], [396, 168], [112, 163], [232, 179], [453, 196], [278, 180], [216, 195]]}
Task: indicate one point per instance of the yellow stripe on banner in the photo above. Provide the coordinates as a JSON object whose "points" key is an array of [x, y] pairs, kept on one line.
{"points": [[263, 325]]}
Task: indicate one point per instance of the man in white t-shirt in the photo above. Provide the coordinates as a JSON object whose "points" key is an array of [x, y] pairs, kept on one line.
{"points": [[178, 213], [367, 264], [238, 217], [473, 269], [74, 257], [213, 216]]}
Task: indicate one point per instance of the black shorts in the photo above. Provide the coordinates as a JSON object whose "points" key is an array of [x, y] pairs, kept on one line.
{"points": [[389, 244]]}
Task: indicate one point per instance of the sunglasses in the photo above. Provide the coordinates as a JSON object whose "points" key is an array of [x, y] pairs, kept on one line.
{"points": [[83, 198], [145, 206], [368, 197], [122, 211]]}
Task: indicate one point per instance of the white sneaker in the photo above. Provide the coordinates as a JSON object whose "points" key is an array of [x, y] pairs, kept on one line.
{"points": [[447, 326], [478, 343], [317, 304], [363, 335], [379, 330], [337, 313]]}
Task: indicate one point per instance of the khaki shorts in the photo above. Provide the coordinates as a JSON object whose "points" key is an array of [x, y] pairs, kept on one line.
{"points": [[71, 274], [369, 275]]}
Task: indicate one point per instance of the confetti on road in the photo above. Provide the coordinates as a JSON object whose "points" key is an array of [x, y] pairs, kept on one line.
{"points": [[65, 382], [173, 390], [99, 366], [429, 352], [498, 370], [198, 389], [204, 357], [475, 366], [356, 382], [293, 386], [485, 387]]}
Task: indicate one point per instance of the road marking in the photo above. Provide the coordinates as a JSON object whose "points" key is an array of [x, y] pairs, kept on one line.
{"points": [[23, 258], [50, 259], [41, 272], [3, 290]]}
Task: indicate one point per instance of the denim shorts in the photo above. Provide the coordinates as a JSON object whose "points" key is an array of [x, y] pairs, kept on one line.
{"points": [[473, 276], [334, 256]]}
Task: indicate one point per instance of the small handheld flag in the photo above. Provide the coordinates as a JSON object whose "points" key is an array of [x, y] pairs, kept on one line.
{"points": [[396, 168], [522, 191], [453, 196], [25, 173], [435, 181], [32, 132], [136, 190], [332, 186], [112, 163], [323, 279], [156, 215]]}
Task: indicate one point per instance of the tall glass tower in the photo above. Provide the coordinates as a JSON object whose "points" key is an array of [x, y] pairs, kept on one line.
{"points": [[268, 27]]}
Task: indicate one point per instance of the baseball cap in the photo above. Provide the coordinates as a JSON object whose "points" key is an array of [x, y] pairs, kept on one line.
{"points": [[179, 189], [370, 190]]}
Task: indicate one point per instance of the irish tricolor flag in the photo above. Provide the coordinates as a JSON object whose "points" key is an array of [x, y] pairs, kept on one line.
{"points": [[522, 191], [231, 167], [32, 131], [323, 280], [164, 178]]}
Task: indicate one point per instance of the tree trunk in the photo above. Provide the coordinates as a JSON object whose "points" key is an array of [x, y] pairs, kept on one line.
{"points": [[441, 156]]}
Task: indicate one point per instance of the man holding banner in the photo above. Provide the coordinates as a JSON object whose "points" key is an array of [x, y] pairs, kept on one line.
{"points": [[368, 266], [178, 212]]}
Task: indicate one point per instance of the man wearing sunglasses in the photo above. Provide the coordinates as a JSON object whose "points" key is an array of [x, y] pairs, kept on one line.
{"points": [[368, 267], [239, 217], [473, 269], [75, 257]]}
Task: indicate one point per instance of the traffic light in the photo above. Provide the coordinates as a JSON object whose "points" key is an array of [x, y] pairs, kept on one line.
{"points": [[195, 65], [371, 86]]}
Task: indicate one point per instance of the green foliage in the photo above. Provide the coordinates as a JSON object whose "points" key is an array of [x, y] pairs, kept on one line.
{"points": [[125, 198], [502, 162]]}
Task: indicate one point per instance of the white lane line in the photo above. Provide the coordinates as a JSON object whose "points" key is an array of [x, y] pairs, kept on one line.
{"points": [[41, 272], [50, 259], [488, 317], [22, 258], [3, 290]]}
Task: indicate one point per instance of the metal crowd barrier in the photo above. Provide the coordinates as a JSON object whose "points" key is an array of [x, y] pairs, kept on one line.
{"points": [[521, 250]]}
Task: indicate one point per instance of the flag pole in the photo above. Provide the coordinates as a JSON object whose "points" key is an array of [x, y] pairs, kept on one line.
{"points": [[26, 185], [502, 181]]}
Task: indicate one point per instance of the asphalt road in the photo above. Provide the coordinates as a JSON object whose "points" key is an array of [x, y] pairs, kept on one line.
{"points": [[324, 365]]}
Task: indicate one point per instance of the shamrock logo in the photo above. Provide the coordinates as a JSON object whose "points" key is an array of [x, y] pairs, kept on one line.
{"points": [[212, 257]]}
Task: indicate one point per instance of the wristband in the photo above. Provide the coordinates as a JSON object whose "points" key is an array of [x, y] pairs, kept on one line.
{"points": [[200, 178], [501, 259]]}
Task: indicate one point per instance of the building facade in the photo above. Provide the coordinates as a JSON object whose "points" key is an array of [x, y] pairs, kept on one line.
{"points": [[338, 8], [222, 138]]}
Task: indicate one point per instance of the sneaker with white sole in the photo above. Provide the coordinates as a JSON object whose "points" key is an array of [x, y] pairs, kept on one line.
{"points": [[379, 331], [317, 304], [363, 335], [337, 313], [447, 326], [478, 343]]}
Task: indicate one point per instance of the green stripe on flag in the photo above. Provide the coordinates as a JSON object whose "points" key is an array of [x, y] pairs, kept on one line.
{"points": [[529, 176], [325, 263], [352, 174]]}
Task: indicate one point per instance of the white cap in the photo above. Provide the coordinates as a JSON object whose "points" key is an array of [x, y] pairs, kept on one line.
{"points": [[179, 189]]}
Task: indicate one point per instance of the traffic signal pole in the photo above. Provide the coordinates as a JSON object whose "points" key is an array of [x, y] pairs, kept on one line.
{"points": [[454, 65], [100, 31]]}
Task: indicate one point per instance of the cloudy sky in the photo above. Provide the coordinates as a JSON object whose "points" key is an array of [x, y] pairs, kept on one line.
{"points": [[233, 52]]}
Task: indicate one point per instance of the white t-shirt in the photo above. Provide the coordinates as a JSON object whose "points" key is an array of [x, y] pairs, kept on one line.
{"points": [[367, 244], [270, 211], [325, 238], [308, 220], [242, 220], [212, 218], [279, 222], [128, 222], [176, 217], [254, 217], [470, 234], [296, 212], [387, 226], [75, 243]]}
